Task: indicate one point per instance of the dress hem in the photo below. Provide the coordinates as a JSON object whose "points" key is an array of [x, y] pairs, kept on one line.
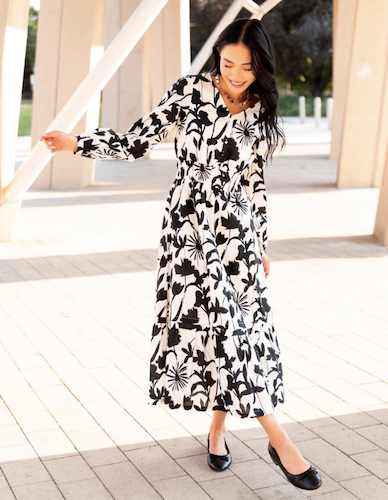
{"points": [[162, 404]]}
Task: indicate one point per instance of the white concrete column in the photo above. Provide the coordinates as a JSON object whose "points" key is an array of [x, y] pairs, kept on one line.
{"points": [[69, 45], [381, 221], [170, 47], [344, 13], [160, 58], [364, 96], [382, 138], [13, 37], [381, 170], [123, 97]]}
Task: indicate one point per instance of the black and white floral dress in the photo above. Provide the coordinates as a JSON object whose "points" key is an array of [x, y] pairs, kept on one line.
{"points": [[214, 345]]}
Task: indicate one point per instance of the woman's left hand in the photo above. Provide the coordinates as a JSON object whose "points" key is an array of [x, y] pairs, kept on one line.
{"points": [[265, 260]]}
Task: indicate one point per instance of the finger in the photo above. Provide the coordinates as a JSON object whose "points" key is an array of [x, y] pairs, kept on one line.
{"points": [[49, 135]]}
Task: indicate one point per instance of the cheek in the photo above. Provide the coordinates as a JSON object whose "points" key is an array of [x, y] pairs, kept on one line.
{"points": [[251, 78]]}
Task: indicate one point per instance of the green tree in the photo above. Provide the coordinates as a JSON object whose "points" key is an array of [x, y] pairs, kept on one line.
{"points": [[205, 15], [301, 33], [30, 52]]}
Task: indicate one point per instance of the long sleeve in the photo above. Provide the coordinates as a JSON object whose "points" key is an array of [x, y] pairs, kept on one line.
{"points": [[142, 136], [253, 183]]}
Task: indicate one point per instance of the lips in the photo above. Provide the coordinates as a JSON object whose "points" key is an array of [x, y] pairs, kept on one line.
{"points": [[236, 84]]}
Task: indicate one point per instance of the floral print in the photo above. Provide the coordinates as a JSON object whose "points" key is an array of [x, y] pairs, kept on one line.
{"points": [[213, 345]]}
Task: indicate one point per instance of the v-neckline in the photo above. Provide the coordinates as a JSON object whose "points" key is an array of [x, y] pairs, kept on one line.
{"points": [[223, 100]]}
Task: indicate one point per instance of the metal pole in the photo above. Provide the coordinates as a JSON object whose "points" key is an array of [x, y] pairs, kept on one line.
{"points": [[94, 82], [302, 108], [317, 111]]}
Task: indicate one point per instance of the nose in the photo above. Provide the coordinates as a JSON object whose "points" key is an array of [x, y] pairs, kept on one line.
{"points": [[237, 76]]}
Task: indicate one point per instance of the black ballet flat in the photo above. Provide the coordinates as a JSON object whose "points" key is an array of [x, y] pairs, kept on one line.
{"points": [[307, 480], [218, 462]]}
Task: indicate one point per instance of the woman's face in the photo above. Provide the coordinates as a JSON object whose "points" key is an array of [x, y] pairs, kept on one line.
{"points": [[236, 67]]}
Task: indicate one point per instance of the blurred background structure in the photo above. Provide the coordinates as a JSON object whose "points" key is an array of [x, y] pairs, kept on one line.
{"points": [[77, 280]]}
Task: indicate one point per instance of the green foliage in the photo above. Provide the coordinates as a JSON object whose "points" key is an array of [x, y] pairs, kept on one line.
{"points": [[30, 51], [288, 105], [31, 35], [205, 15], [301, 33]]}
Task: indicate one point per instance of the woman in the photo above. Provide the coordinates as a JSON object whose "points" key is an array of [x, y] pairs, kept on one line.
{"points": [[214, 346]]}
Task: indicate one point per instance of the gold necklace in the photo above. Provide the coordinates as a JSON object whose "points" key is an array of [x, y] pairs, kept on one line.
{"points": [[240, 104]]}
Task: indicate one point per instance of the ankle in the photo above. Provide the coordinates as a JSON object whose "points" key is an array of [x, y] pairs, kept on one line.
{"points": [[217, 430], [280, 439]]}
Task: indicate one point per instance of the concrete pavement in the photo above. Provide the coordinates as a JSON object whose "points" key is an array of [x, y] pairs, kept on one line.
{"points": [[76, 303]]}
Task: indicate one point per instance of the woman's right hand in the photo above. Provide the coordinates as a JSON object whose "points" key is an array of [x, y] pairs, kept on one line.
{"points": [[59, 141]]}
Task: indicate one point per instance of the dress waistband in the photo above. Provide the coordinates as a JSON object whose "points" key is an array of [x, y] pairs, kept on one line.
{"points": [[210, 177]]}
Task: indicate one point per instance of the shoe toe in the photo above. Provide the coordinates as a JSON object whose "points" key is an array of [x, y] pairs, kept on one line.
{"points": [[312, 480], [219, 462]]}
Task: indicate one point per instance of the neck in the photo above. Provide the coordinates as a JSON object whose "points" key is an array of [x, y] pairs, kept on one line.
{"points": [[240, 97]]}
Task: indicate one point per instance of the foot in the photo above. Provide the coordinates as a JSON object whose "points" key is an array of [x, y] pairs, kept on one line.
{"points": [[217, 442], [291, 458], [219, 460], [307, 480]]}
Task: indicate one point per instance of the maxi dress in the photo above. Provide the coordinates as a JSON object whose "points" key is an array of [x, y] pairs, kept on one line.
{"points": [[213, 344]]}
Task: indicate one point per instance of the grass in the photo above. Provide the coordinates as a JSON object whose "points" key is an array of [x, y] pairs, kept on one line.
{"points": [[288, 105], [25, 119]]}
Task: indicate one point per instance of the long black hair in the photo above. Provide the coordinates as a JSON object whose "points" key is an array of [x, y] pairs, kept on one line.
{"points": [[252, 33]]}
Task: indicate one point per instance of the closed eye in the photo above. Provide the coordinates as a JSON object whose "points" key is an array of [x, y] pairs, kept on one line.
{"points": [[245, 69]]}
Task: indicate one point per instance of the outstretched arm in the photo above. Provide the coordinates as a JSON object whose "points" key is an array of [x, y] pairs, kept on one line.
{"points": [[140, 138]]}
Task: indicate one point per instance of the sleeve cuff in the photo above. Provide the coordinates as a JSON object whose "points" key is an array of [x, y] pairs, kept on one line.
{"points": [[79, 149]]}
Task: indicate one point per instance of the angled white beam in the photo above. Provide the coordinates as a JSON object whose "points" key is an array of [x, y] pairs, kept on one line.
{"points": [[267, 6], [94, 82], [257, 11], [204, 53], [252, 6]]}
